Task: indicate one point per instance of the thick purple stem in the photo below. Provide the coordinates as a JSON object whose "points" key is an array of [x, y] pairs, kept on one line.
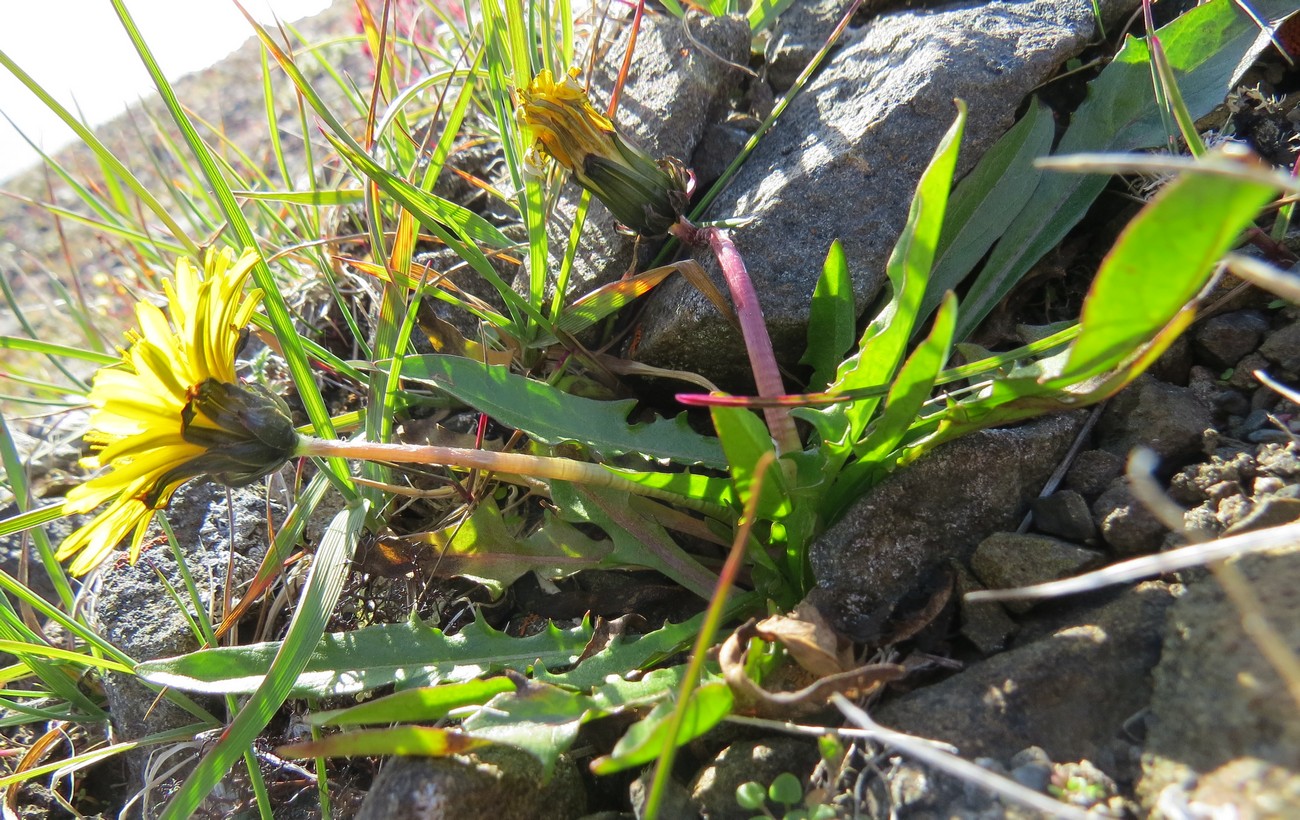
{"points": [[762, 359]]}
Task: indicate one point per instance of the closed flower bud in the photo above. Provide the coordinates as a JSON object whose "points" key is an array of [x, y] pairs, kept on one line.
{"points": [[648, 196]]}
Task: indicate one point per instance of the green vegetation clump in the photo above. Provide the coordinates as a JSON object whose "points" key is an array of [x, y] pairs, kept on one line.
{"points": [[583, 478]]}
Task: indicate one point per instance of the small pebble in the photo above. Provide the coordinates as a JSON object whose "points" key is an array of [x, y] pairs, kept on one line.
{"points": [[1266, 484]]}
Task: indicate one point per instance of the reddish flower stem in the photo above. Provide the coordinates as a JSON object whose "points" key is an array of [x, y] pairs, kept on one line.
{"points": [[758, 344]]}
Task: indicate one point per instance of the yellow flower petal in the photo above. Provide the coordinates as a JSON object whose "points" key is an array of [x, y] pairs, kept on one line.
{"points": [[147, 405]]}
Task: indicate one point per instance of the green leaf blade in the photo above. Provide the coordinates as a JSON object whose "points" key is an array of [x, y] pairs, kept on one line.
{"points": [[832, 321], [1160, 262], [555, 417]]}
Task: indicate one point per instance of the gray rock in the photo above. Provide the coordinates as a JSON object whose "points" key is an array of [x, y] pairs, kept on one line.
{"points": [[134, 611], [1243, 375], [1216, 698], [499, 782], [799, 33], [1125, 524], [1191, 484], [1069, 692], [714, 791], [1268, 512], [675, 801], [1064, 513], [1173, 365], [935, 511], [719, 146], [1167, 419], [1093, 471], [1008, 559], [844, 160], [1254, 788], [1279, 460], [1223, 340], [1032, 768], [672, 93], [1216, 394], [985, 624], [1282, 348]]}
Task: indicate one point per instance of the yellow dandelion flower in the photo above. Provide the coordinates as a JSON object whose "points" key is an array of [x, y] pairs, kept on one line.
{"points": [[647, 196], [173, 409]]}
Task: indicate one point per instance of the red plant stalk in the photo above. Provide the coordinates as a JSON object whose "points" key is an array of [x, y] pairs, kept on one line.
{"points": [[758, 344]]}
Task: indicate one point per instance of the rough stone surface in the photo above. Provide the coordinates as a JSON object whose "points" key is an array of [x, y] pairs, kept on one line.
{"points": [[1223, 340], [1165, 418], [498, 782], [672, 93], [1127, 526], [1093, 471], [846, 156], [1221, 398], [714, 789], [799, 33], [1070, 691], [1174, 364], [1243, 376], [986, 625], [1269, 512], [133, 610], [1008, 559], [1065, 514], [918, 520], [1282, 348], [1255, 788], [1216, 698]]}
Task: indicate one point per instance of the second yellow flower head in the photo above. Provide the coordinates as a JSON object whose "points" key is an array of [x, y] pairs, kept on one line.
{"points": [[646, 195]]}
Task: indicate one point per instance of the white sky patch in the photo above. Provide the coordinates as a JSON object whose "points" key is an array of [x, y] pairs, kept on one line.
{"points": [[79, 53]]}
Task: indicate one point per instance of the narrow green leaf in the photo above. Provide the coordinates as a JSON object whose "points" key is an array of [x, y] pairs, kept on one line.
{"points": [[987, 200], [912, 386], [424, 741], [716, 490], [408, 654], [644, 741], [885, 340], [426, 703], [16, 481], [763, 13], [320, 199], [426, 207], [1158, 264], [54, 653], [75, 763], [745, 438], [610, 298], [52, 349], [833, 319], [554, 417], [638, 540]]}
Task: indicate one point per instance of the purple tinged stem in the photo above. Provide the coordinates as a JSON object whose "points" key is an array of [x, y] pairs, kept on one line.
{"points": [[758, 344]]}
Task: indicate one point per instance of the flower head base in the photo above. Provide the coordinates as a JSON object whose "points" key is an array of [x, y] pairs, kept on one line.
{"points": [[173, 410], [647, 196]]}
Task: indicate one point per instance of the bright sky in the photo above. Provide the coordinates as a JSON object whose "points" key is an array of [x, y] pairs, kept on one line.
{"points": [[78, 52]]}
